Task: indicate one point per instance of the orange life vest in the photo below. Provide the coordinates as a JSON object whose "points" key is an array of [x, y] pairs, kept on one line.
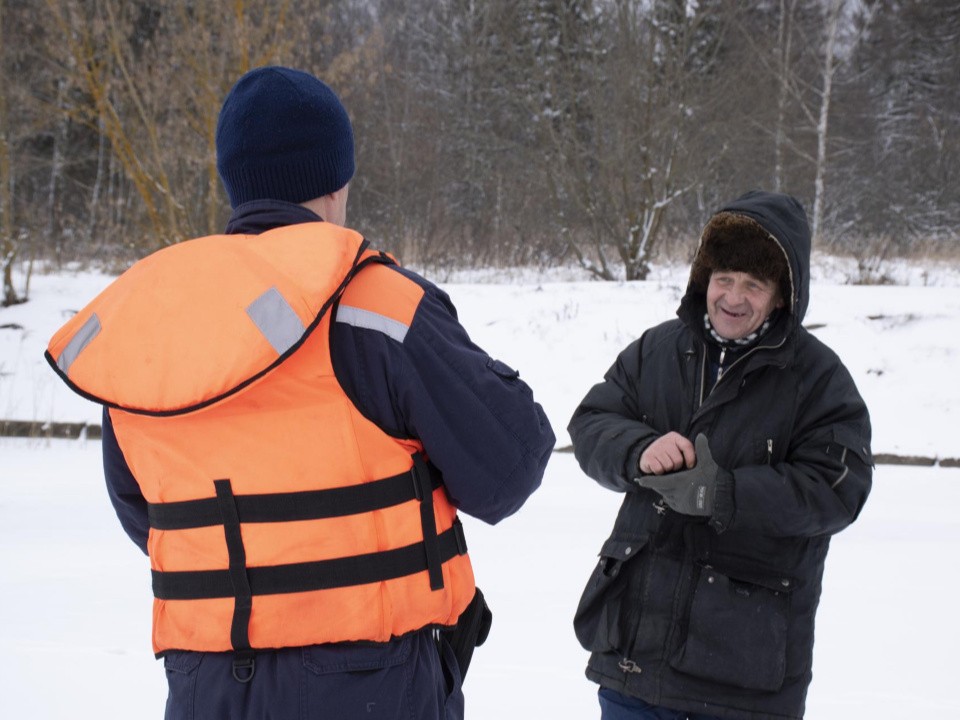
{"points": [[280, 516]]}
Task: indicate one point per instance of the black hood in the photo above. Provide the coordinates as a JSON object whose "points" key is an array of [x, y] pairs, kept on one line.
{"points": [[784, 218]]}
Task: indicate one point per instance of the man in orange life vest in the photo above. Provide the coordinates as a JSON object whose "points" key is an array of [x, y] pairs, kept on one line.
{"points": [[291, 422]]}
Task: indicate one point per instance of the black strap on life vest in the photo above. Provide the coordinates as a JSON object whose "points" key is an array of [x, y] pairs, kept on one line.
{"points": [[243, 662], [303, 505], [243, 583], [307, 576], [428, 523]]}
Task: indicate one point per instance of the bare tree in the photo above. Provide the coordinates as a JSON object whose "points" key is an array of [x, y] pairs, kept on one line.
{"points": [[785, 39], [150, 78], [8, 240], [624, 163], [829, 68]]}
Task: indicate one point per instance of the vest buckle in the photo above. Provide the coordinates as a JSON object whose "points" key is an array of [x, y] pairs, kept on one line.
{"points": [[244, 666], [460, 537]]}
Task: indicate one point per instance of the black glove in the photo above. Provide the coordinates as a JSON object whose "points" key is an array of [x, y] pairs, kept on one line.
{"points": [[690, 492]]}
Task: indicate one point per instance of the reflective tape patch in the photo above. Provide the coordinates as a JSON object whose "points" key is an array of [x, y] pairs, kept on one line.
{"points": [[89, 330], [358, 317], [278, 322]]}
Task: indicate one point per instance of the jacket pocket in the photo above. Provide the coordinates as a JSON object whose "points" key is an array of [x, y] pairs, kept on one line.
{"points": [[453, 705], [609, 606], [350, 680], [181, 670], [737, 631]]}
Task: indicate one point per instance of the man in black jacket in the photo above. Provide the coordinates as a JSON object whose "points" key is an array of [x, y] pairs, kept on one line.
{"points": [[741, 444]]}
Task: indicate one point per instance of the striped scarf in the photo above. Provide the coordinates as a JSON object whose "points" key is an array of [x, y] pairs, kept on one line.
{"points": [[739, 343]]}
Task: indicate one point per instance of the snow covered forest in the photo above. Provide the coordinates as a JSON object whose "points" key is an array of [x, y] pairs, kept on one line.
{"points": [[537, 132], [515, 151]]}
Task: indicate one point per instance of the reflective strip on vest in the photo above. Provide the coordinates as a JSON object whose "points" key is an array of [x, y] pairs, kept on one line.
{"points": [[358, 317], [87, 332], [278, 322]]}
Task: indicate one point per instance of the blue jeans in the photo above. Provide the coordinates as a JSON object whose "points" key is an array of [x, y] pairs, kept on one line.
{"points": [[614, 706]]}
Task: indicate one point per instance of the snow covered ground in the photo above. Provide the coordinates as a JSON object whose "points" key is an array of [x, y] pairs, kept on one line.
{"points": [[75, 593]]}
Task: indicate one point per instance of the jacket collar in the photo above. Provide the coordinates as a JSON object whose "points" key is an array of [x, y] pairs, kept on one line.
{"points": [[257, 216]]}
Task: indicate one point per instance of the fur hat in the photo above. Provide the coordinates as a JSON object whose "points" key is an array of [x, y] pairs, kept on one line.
{"points": [[738, 243], [282, 134]]}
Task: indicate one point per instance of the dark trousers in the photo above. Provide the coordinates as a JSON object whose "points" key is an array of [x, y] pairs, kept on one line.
{"points": [[615, 706], [413, 678]]}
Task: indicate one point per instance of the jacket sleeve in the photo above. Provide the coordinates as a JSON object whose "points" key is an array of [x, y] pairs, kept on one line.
{"points": [[476, 418], [823, 482], [607, 428], [122, 487]]}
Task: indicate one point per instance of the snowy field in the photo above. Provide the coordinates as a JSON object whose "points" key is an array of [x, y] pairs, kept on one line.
{"points": [[75, 593]]}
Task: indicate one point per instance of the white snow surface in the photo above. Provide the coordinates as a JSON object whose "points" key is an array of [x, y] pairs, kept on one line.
{"points": [[75, 593]]}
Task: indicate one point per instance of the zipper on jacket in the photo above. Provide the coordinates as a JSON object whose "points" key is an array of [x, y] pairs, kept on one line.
{"points": [[846, 469], [748, 353], [703, 377], [769, 451], [720, 373]]}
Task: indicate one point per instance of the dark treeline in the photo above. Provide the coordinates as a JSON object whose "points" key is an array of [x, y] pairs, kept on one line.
{"points": [[492, 132]]}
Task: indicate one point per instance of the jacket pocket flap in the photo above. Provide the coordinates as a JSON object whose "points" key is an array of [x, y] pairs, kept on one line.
{"points": [[350, 657], [502, 369], [852, 441], [182, 661], [622, 550], [776, 583]]}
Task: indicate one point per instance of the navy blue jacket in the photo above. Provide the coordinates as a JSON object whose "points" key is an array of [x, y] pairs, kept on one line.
{"points": [[475, 417], [480, 426]]}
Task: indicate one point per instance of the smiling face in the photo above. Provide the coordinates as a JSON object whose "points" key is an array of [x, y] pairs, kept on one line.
{"points": [[738, 302]]}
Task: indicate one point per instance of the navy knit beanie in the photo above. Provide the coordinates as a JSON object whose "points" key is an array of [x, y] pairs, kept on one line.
{"points": [[283, 135]]}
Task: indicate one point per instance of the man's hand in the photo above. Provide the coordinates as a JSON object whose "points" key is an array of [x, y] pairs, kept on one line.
{"points": [[667, 453], [689, 492]]}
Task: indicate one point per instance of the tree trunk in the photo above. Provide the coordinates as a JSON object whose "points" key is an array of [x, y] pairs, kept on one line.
{"points": [[52, 230], [829, 67], [8, 243], [784, 45]]}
